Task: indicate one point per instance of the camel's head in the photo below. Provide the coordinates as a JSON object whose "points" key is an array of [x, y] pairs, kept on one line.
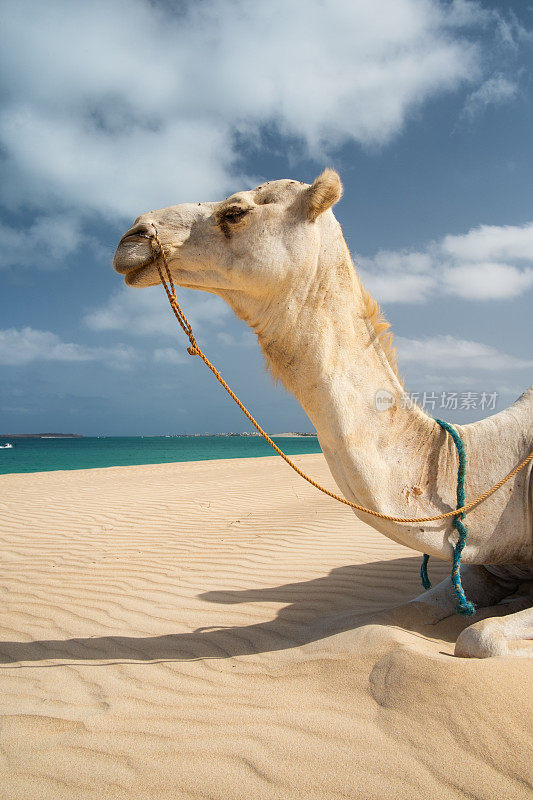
{"points": [[252, 242]]}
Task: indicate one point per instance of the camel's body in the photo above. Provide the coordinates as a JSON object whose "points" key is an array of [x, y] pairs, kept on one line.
{"points": [[276, 254]]}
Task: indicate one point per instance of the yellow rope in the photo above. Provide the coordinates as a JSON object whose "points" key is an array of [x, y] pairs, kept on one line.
{"points": [[194, 350]]}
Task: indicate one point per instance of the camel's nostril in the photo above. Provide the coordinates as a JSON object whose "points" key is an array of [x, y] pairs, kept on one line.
{"points": [[142, 229]]}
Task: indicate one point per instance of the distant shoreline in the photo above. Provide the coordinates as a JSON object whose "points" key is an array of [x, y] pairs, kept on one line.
{"points": [[41, 436], [293, 435], [298, 435]]}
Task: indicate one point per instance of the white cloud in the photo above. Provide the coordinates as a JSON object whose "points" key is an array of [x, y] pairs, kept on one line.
{"points": [[168, 355], [47, 243], [492, 243], [65, 159], [473, 266], [511, 32], [118, 107], [27, 345], [395, 288], [146, 312], [493, 92], [451, 353], [401, 262], [487, 281]]}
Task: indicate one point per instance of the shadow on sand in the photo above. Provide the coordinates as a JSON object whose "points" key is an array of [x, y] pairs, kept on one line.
{"points": [[343, 600]]}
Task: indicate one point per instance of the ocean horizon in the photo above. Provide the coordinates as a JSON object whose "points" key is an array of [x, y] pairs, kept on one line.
{"points": [[50, 453]]}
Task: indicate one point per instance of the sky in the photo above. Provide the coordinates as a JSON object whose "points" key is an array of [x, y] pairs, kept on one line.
{"points": [[112, 108]]}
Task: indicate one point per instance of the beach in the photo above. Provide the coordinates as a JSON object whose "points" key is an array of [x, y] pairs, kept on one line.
{"points": [[219, 629]]}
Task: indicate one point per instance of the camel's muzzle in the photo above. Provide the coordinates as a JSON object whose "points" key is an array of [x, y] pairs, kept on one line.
{"points": [[134, 249]]}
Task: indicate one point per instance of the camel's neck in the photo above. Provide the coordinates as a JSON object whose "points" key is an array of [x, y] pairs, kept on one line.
{"points": [[320, 342]]}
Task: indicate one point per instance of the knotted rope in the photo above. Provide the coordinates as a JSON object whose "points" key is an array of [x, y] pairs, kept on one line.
{"points": [[194, 350], [463, 606]]}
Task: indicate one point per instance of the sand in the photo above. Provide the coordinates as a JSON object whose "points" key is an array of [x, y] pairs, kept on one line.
{"points": [[209, 630]]}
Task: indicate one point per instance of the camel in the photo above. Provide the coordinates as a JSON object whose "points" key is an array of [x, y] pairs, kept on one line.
{"points": [[276, 254]]}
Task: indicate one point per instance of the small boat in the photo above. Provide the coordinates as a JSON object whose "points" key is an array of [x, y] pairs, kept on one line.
{"points": [[6, 445]]}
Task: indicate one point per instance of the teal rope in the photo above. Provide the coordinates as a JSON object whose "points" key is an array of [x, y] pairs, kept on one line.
{"points": [[463, 606], [424, 577]]}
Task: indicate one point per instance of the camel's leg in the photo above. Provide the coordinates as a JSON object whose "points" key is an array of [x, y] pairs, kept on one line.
{"points": [[480, 586], [498, 636]]}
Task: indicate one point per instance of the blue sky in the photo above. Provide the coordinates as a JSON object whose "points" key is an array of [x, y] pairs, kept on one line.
{"points": [[112, 108]]}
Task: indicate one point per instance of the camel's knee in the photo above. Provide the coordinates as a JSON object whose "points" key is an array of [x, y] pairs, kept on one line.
{"points": [[480, 640], [498, 636]]}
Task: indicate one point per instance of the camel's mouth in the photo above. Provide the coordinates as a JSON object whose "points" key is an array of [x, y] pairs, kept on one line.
{"points": [[133, 252], [134, 258], [141, 276], [137, 267]]}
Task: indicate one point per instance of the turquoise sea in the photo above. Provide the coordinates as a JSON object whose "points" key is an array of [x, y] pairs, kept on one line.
{"points": [[40, 455]]}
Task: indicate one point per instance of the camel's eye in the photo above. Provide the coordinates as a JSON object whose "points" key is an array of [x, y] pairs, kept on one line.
{"points": [[231, 216], [234, 214]]}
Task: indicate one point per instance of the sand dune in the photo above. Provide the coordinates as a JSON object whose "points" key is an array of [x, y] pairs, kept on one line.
{"points": [[209, 630]]}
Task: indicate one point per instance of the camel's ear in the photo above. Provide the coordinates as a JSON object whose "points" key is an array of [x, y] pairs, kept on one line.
{"points": [[325, 192]]}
